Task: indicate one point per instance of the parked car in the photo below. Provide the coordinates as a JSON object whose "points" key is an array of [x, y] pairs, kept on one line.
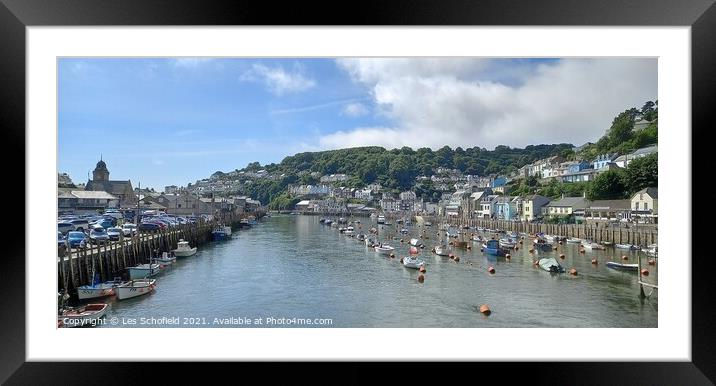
{"points": [[115, 233], [107, 223], [129, 230], [149, 227], [62, 243], [98, 235], [114, 213], [77, 239], [80, 224], [65, 226]]}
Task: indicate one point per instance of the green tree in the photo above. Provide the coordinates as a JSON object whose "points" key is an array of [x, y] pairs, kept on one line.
{"points": [[609, 185], [642, 173]]}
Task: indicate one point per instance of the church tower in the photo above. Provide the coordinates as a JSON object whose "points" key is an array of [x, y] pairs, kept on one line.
{"points": [[100, 172]]}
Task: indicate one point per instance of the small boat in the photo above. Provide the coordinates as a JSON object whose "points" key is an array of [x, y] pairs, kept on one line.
{"points": [[627, 246], [513, 235], [477, 238], [622, 267], [442, 250], [428, 224], [87, 315], [323, 220], [574, 240], [384, 249], [328, 222], [221, 232], [360, 237], [591, 245], [134, 288], [492, 247], [404, 231], [369, 242], [166, 260], [651, 250], [143, 270], [183, 249], [540, 244], [381, 219], [416, 242], [342, 220], [97, 289], [244, 223], [550, 264], [349, 232], [399, 221], [508, 243], [412, 262], [388, 223]]}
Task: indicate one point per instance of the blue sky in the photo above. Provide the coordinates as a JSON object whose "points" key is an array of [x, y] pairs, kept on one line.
{"points": [[171, 121]]}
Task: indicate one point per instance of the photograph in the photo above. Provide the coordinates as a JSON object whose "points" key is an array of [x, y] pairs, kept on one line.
{"points": [[357, 192]]}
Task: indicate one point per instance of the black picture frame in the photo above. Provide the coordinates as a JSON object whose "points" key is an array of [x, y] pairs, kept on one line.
{"points": [[16, 15]]}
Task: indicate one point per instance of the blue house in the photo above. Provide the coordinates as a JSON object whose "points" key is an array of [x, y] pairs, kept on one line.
{"points": [[603, 160], [499, 181]]}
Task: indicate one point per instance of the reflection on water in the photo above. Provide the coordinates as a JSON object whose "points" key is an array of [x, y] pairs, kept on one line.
{"points": [[295, 267]]}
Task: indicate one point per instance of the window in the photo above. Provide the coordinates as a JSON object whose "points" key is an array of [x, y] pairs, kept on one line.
{"points": [[636, 206], [646, 206]]}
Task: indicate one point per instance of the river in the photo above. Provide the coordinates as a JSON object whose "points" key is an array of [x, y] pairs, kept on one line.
{"points": [[290, 270]]}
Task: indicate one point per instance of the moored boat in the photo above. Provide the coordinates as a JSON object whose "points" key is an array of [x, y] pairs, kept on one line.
{"points": [[442, 250], [592, 245], [574, 240], [143, 270], [134, 288], [183, 249], [97, 290], [508, 243], [221, 232], [416, 242], [622, 267], [165, 260], [492, 247], [412, 262], [627, 246], [384, 249], [550, 264], [540, 244], [87, 315]]}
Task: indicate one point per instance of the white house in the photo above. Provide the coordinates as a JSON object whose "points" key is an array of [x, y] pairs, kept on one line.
{"points": [[364, 194]]}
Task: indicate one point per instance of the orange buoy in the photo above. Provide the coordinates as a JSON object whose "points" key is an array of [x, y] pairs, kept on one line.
{"points": [[517, 248], [561, 256], [555, 248], [491, 269], [535, 263], [451, 256], [520, 242], [531, 250], [594, 261], [485, 309], [421, 278], [644, 272], [457, 258], [392, 255], [560, 243], [401, 240], [573, 271], [625, 257], [507, 256], [581, 251], [469, 247], [652, 262], [422, 269]]}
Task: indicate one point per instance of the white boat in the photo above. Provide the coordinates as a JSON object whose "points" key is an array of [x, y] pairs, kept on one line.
{"points": [[412, 262], [166, 260], [508, 243], [381, 219], [134, 288], [590, 245], [442, 250], [416, 242], [574, 240], [87, 315], [477, 238], [360, 237], [651, 250], [384, 249], [428, 224], [143, 270], [183, 249], [627, 246]]}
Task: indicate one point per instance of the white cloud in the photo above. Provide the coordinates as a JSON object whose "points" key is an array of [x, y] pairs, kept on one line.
{"points": [[354, 109], [278, 80], [437, 102]]}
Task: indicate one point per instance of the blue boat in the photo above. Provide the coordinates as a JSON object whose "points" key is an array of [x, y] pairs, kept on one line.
{"points": [[221, 232], [492, 247]]}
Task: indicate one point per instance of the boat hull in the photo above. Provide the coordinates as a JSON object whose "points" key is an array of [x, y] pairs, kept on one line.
{"points": [[184, 252], [384, 250], [84, 316], [412, 263], [135, 288], [622, 267], [143, 271], [550, 265], [96, 291]]}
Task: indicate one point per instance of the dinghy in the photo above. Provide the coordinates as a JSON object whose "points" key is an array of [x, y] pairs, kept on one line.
{"points": [[88, 315], [412, 262], [622, 267], [384, 249], [442, 250], [550, 264], [134, 288]]}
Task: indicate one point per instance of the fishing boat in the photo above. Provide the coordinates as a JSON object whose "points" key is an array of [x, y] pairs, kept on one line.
{"points": [[384, 249], [221, 232], [550, 264], [541, 244], [622, 267], [97, 290], [87, 315], [244, 223], [416, 243], [412, 262], [134, 288], [143, 270], [574, 240], [165, 260], [627, 246], [508, 243], [492, 247], [183, 249], [593, 246]]}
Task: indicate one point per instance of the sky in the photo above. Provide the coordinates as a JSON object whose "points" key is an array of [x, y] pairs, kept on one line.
{"points": [[171, 121]]}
